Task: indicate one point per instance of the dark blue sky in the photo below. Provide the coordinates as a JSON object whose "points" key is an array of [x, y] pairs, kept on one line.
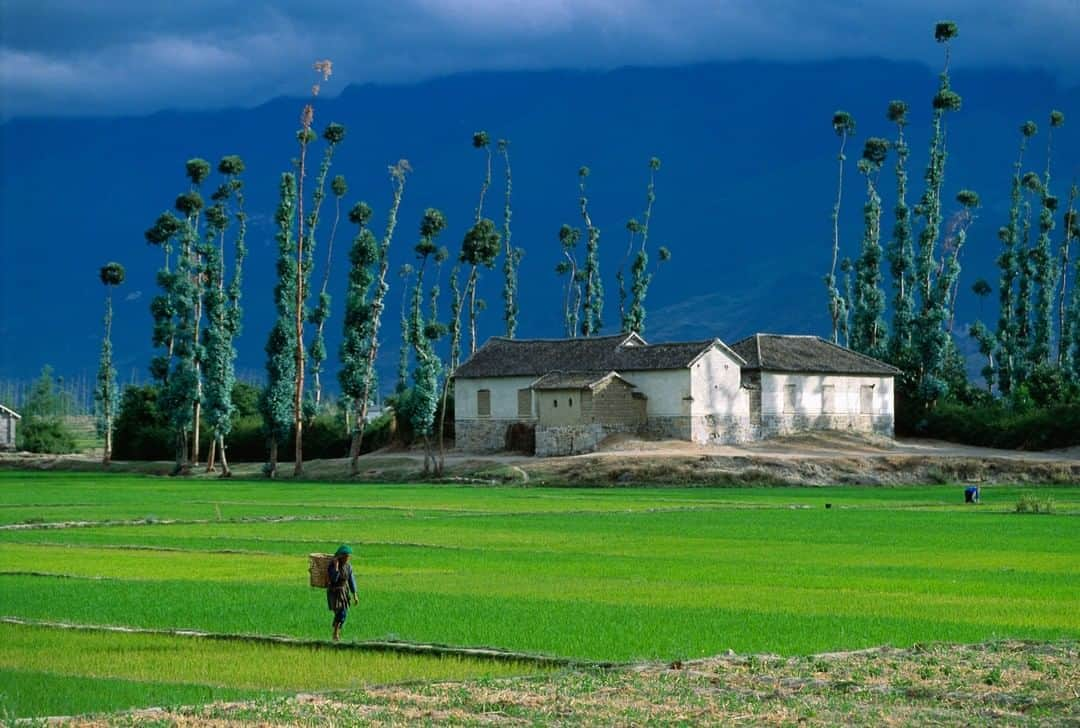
{"points": [[108, 57]]}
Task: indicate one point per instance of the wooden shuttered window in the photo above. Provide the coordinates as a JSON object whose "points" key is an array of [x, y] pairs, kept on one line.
{"points": [[866, 399], [525, 402], [483, 402]]}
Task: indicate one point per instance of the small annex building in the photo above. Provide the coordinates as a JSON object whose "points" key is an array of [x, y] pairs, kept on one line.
{"points": [[573, 393], [8, 418]]}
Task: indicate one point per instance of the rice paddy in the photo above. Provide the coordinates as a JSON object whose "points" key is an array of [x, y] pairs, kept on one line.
{"points": [[587, 574]]}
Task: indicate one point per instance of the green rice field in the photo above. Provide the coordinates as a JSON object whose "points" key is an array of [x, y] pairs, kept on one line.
{"points": [[588, 574]]}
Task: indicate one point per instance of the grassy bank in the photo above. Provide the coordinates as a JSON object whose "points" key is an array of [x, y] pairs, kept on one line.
{"points": [[612, 575]]}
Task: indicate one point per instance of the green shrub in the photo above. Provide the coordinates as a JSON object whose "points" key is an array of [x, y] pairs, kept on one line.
{"points": [[44, 435], [1031, 503], [1003, 426]]}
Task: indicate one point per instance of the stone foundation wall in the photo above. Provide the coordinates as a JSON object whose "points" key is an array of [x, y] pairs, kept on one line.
{"points": [[556, 440], [481, 435], [787, 424], [723, 430], [672, 427]]}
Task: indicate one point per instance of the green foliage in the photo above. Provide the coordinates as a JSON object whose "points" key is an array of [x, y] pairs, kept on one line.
{"points": [[945, 31], [106, 391], [997, 424], [901, 255], [481, 244], [593, 302], [869, 334], [1032, 503], [44, 435], [511, 256], [141, 429], [843, 123], [277, 401], [189, 203], [633, 315], [197, 170], [355, 373], [1057, 119]]}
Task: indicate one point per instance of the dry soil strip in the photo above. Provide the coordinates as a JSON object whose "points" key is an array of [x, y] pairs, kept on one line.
{"points": [[400, 646], [161, 522]]}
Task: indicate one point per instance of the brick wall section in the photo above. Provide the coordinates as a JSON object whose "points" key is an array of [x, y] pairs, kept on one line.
{"points": [[613, 402]]}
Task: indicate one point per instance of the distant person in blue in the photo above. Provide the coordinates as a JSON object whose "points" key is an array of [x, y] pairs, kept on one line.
{"points": [[342, 589]]}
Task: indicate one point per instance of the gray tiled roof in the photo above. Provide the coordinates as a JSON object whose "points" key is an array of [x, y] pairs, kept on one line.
{"points": [[773, 352], [574, 380], [502, 357]]}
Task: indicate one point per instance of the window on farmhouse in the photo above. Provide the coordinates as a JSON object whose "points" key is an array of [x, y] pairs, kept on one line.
{"points": [[483, 402], [789, 397], [866, 399], [828, 398], [555, 403], [525, 402]]}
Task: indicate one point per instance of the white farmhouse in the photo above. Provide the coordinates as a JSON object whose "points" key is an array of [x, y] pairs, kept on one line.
{"points": [[572, 393], [8, 418]]}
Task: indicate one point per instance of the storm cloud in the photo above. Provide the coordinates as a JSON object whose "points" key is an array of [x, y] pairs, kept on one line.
{"points": [[61, 57]]}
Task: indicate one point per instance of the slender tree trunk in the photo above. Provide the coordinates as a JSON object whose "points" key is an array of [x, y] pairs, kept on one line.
{"points": [[225, 471], [322, 292], [1064, 330], [471, 286], [834, 308], [298, 390], [107, 399], [273, 458], [211, 455]]}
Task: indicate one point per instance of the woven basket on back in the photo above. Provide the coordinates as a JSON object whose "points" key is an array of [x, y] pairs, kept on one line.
{"points": [[317, 570]]}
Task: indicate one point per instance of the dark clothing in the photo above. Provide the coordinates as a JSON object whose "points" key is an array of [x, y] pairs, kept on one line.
{"points": [[342, 586]]}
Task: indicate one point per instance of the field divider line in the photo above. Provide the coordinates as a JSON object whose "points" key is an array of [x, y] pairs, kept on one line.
{"points": [[56, 575], [162, 522], [398, 646]]}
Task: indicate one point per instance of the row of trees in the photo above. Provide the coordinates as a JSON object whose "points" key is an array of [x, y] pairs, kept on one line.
{"points": [[1032, 340], [197, 313]]}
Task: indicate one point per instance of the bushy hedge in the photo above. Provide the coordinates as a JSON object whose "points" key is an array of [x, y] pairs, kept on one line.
{"points": [[44, 435], [999, 425], [142, 433]]}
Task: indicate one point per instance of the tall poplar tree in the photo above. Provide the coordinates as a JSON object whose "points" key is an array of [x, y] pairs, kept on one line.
{"points": [[869, 334], [1025, 260], [931, 336], [278, 402], [1011, 260], [366, 368], [634, 319], [405, 274], [592, 315], [568, 268], [321, 311], [183, 390], [511, 255], [425, 397], [1043, 259], [223, 310], [1067, 323], [106, 392], [901, 249], [356, 374], [482, 241], [843, 125]]}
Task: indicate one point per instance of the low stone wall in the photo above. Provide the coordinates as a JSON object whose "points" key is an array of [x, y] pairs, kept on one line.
{"points": [[481, 435]]}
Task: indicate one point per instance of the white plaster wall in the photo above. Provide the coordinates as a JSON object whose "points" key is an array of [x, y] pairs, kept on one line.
{"points": [[808, 393], [503, 397], [715, 386], [668, 391]]}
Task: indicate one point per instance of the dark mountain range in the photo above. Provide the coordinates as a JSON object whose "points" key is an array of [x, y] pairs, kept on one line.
{"points": [[743, 199]]}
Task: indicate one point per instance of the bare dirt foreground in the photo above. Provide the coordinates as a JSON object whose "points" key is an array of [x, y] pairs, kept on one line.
{"points": [[1003, 683], [810, 459]]}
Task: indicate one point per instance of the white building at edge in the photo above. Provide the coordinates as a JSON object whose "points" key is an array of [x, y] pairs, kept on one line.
{"points": [[572, 393]]}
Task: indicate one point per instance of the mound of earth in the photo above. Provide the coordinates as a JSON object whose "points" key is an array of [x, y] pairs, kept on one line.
{"points": [[1009, 683]]}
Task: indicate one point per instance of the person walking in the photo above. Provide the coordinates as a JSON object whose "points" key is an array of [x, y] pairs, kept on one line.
{"points": [[342, 589]]}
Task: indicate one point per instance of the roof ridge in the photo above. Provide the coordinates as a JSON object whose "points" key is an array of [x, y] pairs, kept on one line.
{"points": [[857, 354]]}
